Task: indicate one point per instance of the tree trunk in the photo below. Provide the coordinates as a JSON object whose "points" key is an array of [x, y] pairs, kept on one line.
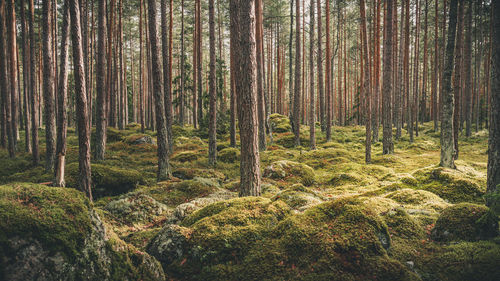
{"points": [[242, 13], [494, 138], [366, 83], [457, 79], [183, 84], [312, 113], [260, 75], [48, 87], [199, 64], [6, 98], [447, 144], [62, 123], [468, 70], [321, 92], [85, 179], [409, 119], [163, 166], [328, 76], [376, 86], [388, 145], [212, 134], [435, 76], [33, 89], [297, 89], [167, 79], [26, 73], [399, 90], [101, 109]]}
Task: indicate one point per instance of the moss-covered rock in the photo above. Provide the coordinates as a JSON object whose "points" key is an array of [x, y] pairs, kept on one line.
{"points": [[280, 123], [229, 155], [254, 238], [299, 197], [186, 156], [345, 178], [289, 170], [403, 225], [476, 261], [139, 139], [106, 180], [461, 185], [135, 207], [173, 194], [191, 173], [467, 222], [418, 198], [49, 233]]}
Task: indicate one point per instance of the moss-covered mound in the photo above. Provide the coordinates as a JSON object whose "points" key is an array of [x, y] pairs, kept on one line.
{"points": [[173, 194], [229, 155], [106, 180], [299, 197], [280, 123], [290, 171], [456, 186], [49, 233], [467, 222], [256, 239], [191, 173], [186, 156], [135, 207], [474, 261]]}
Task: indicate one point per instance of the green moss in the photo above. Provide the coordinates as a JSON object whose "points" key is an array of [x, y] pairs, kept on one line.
{"points": [[229, 155], [402, 225], [453, 185], [140, 239], [299, 197], [106, 180], [136, 207], [423, 199], [10, 166], [290, 171], [35, 175], [345, 178], [186, 156], [57, 217], [287, 140], [191, 173], [133, 139], [467, 222], [463, 261], [280, 123], [173, 194]]}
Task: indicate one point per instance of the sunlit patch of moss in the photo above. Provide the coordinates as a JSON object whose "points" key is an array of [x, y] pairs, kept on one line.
{"points": [[290, 171], [280, 123], [419, 199], [229, 155], [403, 225], [345, 178], [299, 197], [173, 194], [191, 173], [185, 156], [34, 175], [462, 185], [467, 222]]}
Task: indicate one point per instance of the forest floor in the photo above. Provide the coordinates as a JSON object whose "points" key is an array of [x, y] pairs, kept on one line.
{"points": [[323, 214]]}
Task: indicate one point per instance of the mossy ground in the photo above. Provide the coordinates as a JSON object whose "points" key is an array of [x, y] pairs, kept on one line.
{"points": [[326, 216]]}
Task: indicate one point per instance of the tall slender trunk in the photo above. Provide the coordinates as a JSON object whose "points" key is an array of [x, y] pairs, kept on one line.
{"points": [[48, 87], [312, 113], [82, 115], [167, 79], [494, 138], [33, 87], [212, 133], [321, 92], [242, 13], [366, 82], [399, 90], [26, 73], [163, 167], [376, 86], [409, 117], [435, 71], [260, 75], [297, 89], [62, 123], [328, 76], [423, 103], [101, 114], [199, 64], [457, 79], [447, 144], [183, 84], [6, 98], [468, 70], [388, 145]]}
